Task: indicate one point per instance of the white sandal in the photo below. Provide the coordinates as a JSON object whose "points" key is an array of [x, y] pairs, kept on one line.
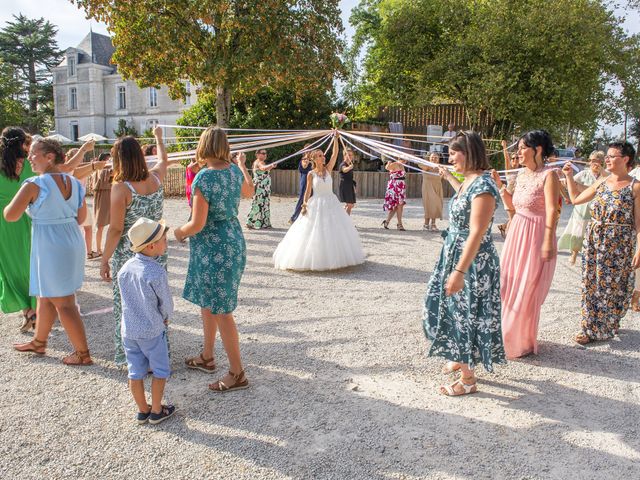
{"points": [[449, 391]]}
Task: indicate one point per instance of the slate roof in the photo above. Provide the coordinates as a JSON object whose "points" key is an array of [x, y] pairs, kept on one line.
{"points": [[95, 48]]}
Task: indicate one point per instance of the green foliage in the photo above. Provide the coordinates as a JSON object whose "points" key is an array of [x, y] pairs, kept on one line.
{"points": [[267, 109], [11, 110], [29, 46], [529, 63], [124, 129], [227, 47]]}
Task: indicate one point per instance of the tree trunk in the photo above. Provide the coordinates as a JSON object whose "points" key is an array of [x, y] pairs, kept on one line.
{"points": [[33, 89], [223, 105]]}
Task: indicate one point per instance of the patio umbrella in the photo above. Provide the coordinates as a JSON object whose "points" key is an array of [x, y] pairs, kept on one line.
{"points": [[92, 136], [60, 138]]}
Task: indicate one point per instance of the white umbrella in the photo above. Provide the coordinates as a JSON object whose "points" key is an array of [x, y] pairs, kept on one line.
{"points": [[60, 138], [92, 136]]}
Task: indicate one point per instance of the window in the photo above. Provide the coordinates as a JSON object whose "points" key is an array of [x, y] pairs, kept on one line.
{"points": [[153, 97], [187, 98], [73, 98], [71, 63], [74, 131], [122, 98]]}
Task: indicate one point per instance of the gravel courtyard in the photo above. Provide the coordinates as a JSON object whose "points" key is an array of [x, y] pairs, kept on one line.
{"points": [[341, 387]]}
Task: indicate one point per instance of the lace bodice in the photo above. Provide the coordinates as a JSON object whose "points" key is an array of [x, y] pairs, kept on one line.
{"points": [[529, 192], [322, 185]]}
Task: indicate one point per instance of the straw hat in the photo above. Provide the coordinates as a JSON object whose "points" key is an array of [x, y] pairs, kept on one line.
{"points": [[145, 232]]}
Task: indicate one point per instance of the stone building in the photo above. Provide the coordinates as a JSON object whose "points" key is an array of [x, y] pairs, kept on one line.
{"points": [[90, 96]]}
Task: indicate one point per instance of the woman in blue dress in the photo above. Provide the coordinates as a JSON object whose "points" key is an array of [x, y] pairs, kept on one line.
{"points": [[55, 202], [304, 167], [462, 308], [217, 253]]}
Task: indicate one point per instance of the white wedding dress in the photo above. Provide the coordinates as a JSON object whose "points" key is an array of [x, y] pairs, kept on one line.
{"points": [[324, 238]]}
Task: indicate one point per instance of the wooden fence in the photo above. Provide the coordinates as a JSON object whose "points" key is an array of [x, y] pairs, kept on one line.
{"points": [[416, 119], [285, 182]]}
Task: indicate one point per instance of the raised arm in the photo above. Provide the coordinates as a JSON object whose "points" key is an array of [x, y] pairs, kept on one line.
{"points": [[247, 189], [507, 197], [163, 161], [87, 169], [482, 208], [70, 165], [334, 153], [453, 181], [577, 196]]}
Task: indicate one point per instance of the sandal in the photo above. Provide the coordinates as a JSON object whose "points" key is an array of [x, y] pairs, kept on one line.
{"points": [[34, 346], [503, 230], [583, 339], [28, 323], [385, 224], [78, 359], [467, 388], [91, 255], [241, 383], [400, 227], [451, 367], [203, 366]]}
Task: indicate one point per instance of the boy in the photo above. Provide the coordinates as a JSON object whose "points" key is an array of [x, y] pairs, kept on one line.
{"points": [[146, 307]]}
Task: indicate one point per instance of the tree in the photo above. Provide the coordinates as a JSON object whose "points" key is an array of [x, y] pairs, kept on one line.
{"points": [[230, 48], [124, 129], [29, 46], [11, 110], [529, 63]]}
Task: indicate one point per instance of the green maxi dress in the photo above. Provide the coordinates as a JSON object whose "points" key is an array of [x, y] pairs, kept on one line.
{"points": [[466, 327], [15, 249]]}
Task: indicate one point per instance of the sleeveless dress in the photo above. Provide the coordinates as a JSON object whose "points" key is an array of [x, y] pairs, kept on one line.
{"points": [[465, 327], [218, 253], [396, 191], [346, 185], [149, 206], [57, 246], [260, 213], [525, 278], [573, 234], [15, 249], [432, 201], [607, 273], [324, 238]]}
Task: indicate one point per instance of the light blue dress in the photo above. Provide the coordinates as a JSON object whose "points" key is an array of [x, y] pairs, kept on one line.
{"points": [[57, 246]]}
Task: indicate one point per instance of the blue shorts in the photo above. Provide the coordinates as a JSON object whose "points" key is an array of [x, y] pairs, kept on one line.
{"points": [[147, 354]]}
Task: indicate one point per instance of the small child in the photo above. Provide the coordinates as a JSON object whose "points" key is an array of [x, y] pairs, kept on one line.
{"points": [[146, 307]]}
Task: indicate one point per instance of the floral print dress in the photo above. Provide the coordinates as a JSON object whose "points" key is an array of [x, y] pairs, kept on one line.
{"points": [[218, 252], [260, 213], [149, 206], [607, 272], [396, 191], [465, 327]]}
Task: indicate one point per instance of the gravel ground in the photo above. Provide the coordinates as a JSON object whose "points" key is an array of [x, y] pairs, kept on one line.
{"points": [[341, 386]]}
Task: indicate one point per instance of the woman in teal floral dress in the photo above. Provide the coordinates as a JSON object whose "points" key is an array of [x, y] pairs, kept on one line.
{"points": [[137, 192], [611, 250], [217, 253], [462, 308], [260, 213]]}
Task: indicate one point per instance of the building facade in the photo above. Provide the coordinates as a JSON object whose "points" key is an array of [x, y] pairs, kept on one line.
{"points": [[90, 96]]}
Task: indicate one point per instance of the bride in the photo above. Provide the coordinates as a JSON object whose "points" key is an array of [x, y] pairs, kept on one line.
{"points": [[323, 236]]}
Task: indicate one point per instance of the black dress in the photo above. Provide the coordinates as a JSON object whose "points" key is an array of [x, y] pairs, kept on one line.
{"points": [[346, 186]]}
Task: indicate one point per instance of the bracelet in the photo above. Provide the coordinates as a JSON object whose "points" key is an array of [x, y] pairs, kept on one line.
{"points": [[459, 271]]}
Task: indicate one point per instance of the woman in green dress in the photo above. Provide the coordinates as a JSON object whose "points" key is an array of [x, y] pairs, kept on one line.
{"points": [[260, 212], [217, 253], [15, 247], [137, 192], [462, 310]]}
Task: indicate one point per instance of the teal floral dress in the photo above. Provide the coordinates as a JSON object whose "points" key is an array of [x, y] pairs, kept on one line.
{"points": [[149, 206], [218, 253], [260, 213], [607, 272], [466, 327]]}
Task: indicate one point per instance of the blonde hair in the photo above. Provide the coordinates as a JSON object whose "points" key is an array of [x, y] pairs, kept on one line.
{"points": [[597, 155], [213, 144]]}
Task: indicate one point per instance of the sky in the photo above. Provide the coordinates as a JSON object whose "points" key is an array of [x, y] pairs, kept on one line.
{"points": [[73, 26]]}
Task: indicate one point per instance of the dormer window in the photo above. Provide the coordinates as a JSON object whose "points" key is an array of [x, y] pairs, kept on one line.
{"points": [[71, 64]]}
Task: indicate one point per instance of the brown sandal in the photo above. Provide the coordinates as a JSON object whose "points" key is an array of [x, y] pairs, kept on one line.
{"points": [[34, 346], [29, 322], [240, 383], [583, 339], [400, 227], [78, 359], [204, 366]]}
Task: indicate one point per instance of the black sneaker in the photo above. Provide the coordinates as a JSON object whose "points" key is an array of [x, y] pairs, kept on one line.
{"points": [[143, 417], [166, 412]]}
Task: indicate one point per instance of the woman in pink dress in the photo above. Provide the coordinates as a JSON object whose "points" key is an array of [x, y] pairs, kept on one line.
{"points": [[529, 253], [395, 196]]}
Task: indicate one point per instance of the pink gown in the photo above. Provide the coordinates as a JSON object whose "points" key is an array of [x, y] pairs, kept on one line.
{"points": [[525, 278]]}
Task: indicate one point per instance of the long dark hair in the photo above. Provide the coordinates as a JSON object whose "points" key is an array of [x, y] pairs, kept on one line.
{"points": [[12, 150]]}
